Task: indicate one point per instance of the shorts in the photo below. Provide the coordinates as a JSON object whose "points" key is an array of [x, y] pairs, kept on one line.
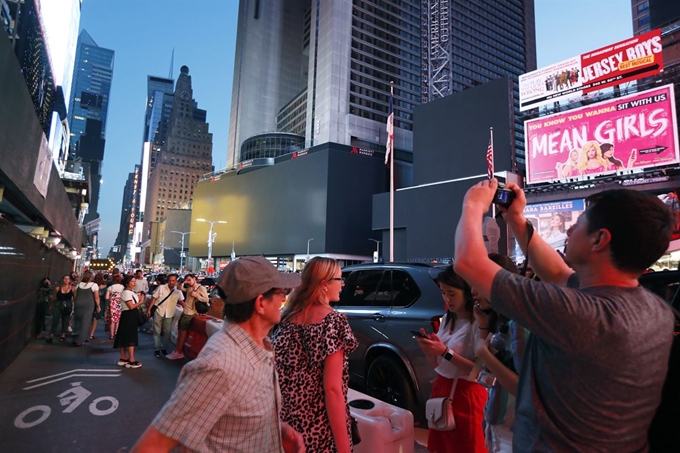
{"points": [[184, 322]]}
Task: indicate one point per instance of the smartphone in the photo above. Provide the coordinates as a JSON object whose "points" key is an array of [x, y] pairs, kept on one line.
{"points": [[418, 333]]}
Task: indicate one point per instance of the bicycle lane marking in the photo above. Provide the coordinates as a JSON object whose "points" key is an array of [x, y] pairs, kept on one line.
{"points": [[79, 372]]}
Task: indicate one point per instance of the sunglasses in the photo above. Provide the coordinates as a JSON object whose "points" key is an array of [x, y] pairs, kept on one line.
{"points": [[339, 279]]}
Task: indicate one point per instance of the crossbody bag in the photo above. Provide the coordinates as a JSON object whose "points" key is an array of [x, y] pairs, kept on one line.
{"points": [[439, 411], [155, 306]]}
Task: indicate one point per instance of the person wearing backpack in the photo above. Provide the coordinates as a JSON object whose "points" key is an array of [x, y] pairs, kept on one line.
{"points": [[595, 363]]}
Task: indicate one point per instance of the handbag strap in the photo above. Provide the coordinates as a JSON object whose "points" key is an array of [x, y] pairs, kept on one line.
{"points": [[166, 298], [453, 388]]}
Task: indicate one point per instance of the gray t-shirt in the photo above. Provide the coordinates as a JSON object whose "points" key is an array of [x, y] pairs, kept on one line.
{"points": [[594, 365]]}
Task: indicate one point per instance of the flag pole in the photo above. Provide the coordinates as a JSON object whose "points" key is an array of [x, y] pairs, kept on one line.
{"points": [[391, 152], [491, 169]]}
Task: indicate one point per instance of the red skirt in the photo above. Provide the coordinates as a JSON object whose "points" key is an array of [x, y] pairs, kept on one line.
{"points": [[469, 400]]}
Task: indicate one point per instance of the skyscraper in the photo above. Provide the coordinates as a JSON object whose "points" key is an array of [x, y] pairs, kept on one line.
{"points": [[91, 86], [322, 69], [468, 43], [128, 215], [184, 157]]}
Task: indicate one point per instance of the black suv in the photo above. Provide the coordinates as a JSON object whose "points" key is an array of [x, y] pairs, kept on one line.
{"points": [[384, 303]]}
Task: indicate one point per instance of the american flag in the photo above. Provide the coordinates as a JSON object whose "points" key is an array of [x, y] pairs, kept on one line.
{"points": [[489, 159], [390, 128]]}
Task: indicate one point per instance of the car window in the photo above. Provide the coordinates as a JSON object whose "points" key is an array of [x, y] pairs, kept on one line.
{"points": [[366, 288], [404, 289]]}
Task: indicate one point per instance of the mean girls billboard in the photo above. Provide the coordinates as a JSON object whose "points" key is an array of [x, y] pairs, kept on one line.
{"points": [[622, 62], [627, 133]]}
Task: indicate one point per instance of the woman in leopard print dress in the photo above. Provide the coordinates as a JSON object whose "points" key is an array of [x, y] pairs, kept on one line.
{"points": [[311, 346]]}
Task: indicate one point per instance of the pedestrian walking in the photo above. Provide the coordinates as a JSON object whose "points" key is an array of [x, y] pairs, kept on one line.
{"points": [[114, 306], [227, 399], [44, 293], [86, 300], [99, 311], [165, 300], [126, 338], [62, 307]]}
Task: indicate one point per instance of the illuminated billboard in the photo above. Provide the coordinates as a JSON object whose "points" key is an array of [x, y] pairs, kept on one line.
{"points": [[627, 133], [551, 221], [615, 64]]}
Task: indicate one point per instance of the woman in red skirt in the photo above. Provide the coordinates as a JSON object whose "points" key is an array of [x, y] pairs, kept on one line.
{"points": [[451, 352]]}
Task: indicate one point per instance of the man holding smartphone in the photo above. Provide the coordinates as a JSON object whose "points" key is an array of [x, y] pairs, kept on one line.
{"points": [[597, 358]]}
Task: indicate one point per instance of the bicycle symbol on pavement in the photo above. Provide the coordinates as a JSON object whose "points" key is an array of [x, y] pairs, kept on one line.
{"points": [[71, 398]]}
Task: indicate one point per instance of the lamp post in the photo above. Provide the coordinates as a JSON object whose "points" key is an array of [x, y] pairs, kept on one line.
{"points": [[211, 236], [308, 241], [377, 248], [181, 255]]}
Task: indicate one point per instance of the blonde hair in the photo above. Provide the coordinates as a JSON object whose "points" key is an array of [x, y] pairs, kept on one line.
{"points": [[317, 271], [583, 158]]}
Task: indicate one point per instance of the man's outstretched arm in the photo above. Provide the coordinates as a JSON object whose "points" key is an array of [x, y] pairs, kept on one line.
{"points": [[471, 260], [543, 259]]}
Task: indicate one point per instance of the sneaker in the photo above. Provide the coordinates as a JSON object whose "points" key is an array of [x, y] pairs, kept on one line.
{"points": [[164, 352], [133, 365], [176, 356], [122, 362], [157, 354]]}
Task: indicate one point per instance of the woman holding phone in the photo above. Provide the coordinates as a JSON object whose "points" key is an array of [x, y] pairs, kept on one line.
{"points": [[451, 352]]}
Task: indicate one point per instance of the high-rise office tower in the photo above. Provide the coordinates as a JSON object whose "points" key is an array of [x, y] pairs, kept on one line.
{"points": [[159, 100], [185, 156], [468, 43], [322, 69], [91, 86], [128, 216]]}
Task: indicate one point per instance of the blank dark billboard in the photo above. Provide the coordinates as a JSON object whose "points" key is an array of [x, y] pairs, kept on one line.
{"points": [[451, 134], [663, 12], [325, 195]]}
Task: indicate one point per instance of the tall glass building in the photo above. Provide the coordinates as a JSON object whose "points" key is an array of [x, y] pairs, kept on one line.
{"points": [[91, 86], [322, 68]]}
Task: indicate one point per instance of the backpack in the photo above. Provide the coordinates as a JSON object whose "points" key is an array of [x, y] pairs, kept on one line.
{"points": [[662, 432]]}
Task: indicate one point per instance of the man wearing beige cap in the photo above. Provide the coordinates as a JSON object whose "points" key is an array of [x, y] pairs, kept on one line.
{"points": [[228, 398]]}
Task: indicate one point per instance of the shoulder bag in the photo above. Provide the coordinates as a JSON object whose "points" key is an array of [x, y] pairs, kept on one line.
{"points": [[155, 307], [201, 307], [439, 411]]}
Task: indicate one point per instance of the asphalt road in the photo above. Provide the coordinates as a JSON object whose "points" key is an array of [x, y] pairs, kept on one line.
{"points": [[58, 398]]}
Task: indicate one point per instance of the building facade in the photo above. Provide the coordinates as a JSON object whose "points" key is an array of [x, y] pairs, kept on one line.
{"points": [[322, 69], [91, 86], [183, 159], [466, 44]]}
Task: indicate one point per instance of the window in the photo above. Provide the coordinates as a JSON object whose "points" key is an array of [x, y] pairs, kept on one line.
{"points": [[404, 289], [642, 21], [367, 288]]}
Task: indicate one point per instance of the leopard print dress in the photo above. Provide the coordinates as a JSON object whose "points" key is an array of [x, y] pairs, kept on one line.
{"points": [[300, 351]]}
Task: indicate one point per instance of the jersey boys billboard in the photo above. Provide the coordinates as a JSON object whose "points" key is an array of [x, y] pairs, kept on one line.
{"points": [[618, 63], [627, 133]]}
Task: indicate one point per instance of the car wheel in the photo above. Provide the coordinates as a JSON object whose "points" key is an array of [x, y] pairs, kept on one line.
{"points": [[388, 381]]}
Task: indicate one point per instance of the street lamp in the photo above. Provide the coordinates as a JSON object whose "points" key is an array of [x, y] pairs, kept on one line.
{"points": [[211, 236], [308, 241], [377, 248], [181, 255]]}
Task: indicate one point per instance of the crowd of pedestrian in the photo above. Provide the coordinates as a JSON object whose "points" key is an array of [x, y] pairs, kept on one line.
{"points": [[277, 380]]}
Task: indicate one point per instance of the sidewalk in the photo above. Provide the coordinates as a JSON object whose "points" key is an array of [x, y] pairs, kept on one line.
{"points": [[58, 398]]}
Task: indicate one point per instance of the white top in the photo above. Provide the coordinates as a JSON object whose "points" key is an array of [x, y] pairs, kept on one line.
{"points": [[167, 309], [141, 285], [89, 285], [463, 332], [127, 296], [555, 239]]}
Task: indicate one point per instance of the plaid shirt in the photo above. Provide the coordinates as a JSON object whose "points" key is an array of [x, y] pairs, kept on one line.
{"points": [[227, 399]]}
